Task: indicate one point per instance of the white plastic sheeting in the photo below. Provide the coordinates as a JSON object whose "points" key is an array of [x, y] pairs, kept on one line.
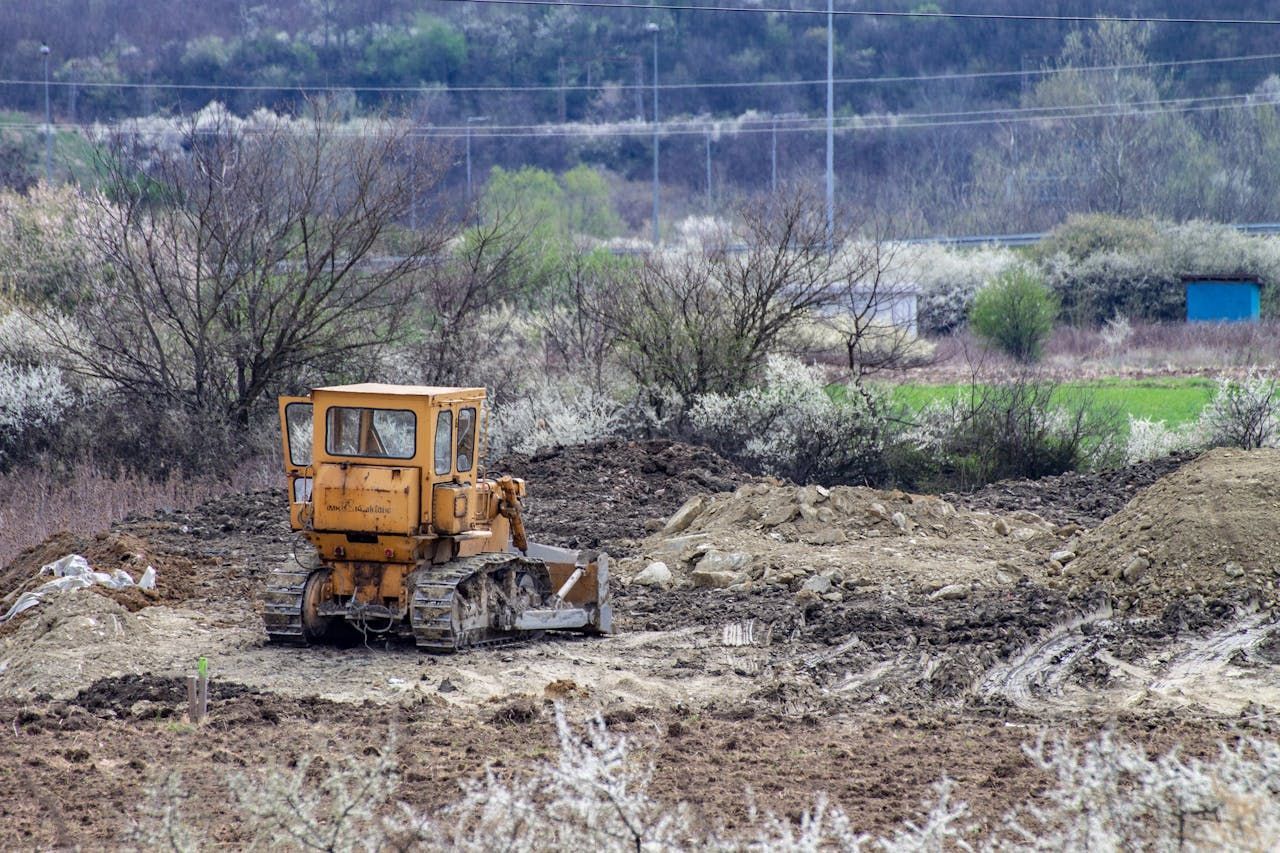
{"points": [[74, 572]]}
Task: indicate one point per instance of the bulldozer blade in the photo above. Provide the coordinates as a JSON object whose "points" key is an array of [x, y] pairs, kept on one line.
{"points": [[589, 594], [553, 620]]}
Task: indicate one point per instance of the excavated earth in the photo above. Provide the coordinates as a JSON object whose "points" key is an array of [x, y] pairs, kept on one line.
{"points": [[796, 640]]}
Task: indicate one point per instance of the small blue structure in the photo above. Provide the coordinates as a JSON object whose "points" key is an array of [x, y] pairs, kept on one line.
{"points": [[1223, 299]]}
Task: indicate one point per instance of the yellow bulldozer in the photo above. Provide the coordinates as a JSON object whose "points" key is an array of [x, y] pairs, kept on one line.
{"points": [[411, 539]]}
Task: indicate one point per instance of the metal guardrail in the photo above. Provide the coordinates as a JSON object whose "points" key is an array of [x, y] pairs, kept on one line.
{"points": [[1008, 240], [1031, 238]]}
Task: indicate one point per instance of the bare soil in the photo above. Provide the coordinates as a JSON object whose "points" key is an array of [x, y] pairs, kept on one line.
{"points": [[868, 644], [604, 493], [1085, 498]]}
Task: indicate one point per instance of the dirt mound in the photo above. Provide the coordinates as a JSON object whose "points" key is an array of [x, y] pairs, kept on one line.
{"points": [[1085, 498], [105, 552], [119, 694], [766, 535], [601, 494], [1209, 529]]}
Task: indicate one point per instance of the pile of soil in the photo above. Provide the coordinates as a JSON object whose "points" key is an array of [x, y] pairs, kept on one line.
{"points": [[105, 552], [766, 535], [1084, 498], [119, 695], [600, 495], [1209, 530]]}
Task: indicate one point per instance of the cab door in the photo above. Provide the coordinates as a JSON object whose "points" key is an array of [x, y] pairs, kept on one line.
{"points": [[297, 436]]}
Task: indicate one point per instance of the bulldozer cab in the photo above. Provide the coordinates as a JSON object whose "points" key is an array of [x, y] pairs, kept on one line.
{"points": [[382, 458]]}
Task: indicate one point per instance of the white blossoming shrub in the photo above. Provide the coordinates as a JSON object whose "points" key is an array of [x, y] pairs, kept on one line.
{"points": [[1243, 413], [1110, 795], [1155, 439], [33, 402], [44, 240], [596, 795], [1139, 284], [948, 279], [1013, 428], [1100, 266], [552, 413], [790, 426]]}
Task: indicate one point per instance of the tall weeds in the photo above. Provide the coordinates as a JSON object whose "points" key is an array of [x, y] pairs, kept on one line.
{"points": [[36, 502]]}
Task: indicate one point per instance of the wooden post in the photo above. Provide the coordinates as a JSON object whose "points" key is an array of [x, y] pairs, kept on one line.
{"points": [[193, 705], [202, 672], [204, 696]]}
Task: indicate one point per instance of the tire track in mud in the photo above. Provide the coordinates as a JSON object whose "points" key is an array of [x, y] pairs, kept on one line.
{"points": [[1184, 676], [1032, 678]]}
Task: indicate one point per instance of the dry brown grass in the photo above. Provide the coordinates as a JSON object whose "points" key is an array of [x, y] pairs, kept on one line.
{"points": [[1148, 350], [36, 502]]}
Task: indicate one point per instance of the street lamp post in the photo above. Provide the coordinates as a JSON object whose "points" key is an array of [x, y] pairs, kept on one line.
{"points": [[773, 149], [653, 29], [470, 121], [48, 120], [831, 100]]}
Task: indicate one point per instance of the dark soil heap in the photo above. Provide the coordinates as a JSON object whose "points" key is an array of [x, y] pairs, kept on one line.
{"points": [[600, 494], [1084, 498], [1208, 530]]}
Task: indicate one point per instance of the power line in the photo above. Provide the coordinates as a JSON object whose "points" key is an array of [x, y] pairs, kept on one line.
{"points": [[450, 90], [874, 13]]}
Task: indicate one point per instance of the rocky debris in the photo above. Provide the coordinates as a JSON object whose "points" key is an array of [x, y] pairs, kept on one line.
{"points": [[950, 592], [655, 574], [1208, 530], [771, 535], [600, 495], [1082, 498]]}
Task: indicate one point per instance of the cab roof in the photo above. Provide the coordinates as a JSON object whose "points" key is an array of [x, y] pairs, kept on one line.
{"points": [[403, 390]]}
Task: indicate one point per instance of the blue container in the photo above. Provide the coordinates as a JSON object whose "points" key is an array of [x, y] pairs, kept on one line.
{"points": [[1223, 300]]}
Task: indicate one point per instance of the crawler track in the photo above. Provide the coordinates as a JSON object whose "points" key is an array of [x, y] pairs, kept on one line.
{"points": [[473, 602], [282, 604]]}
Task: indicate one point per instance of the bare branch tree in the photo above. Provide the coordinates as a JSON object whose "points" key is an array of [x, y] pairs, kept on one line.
{"points": [[572, 315], [703, 320], [454, 298], [252, 254]]}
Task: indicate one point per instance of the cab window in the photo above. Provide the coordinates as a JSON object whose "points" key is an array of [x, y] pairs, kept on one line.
{"points": [[360, 431], [444, 442], [466, 439], [297, 419]]}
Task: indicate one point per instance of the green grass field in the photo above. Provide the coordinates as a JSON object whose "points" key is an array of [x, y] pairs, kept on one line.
{"points": [[1173, 400]]}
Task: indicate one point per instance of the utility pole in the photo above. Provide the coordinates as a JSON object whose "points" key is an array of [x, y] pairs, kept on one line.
{"points": [[48, 119], [470, 121], [413, 183], [773, 159], [708, 136], [653, 29], [831, 136]]}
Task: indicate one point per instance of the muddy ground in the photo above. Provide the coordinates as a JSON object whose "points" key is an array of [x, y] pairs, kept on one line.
{"points": [[854, 642]]}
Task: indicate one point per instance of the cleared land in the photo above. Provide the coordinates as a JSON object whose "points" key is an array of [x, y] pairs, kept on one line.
{"points": [[896, 638]]}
